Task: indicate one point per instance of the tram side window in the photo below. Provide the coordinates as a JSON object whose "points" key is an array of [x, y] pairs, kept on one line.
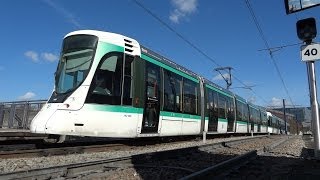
{"points": [[269, 121], [222, 107], [190, 97], [230, 109], [215, 100], [255, 116], [264, 118], [258, 117], [239, 111], [153, 81], [251, 116], [274, 120], [212, 104], [128, 81], [245, 112], [106, 83], [172, 92]]}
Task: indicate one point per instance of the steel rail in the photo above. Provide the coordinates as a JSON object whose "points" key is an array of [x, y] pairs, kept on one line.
{"points": [[57, 151], [238, 161]]}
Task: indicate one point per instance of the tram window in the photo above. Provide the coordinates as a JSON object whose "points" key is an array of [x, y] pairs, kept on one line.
{"points": [[239, 111], [152, 84], [222, 107], [172, 92], [210, 103], [245, 112], [128, 81], [215, 104], [258, 117], [255, 115], [190, 97], [230, 110], [106, 83], [79, 78], [153, 81], [269, 121], [251, 116]]}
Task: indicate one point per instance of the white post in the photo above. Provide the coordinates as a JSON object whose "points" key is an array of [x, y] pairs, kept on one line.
{"points": [[314, 107], [204, 136]]}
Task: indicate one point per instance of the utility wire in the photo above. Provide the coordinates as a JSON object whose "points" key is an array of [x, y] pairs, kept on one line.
{"points": [[277, 48], [175, 32], [268, 47], [188, 42]]}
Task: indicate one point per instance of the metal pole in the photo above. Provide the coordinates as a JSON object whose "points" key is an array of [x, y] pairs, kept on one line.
{"points": [[284, 116], [1, 115], [314, 106], [228, 81]]}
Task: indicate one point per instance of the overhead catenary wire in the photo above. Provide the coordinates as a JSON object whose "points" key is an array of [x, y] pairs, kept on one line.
{"points": [[257, 24], [189, 43], [277, 48], [175, 32]]}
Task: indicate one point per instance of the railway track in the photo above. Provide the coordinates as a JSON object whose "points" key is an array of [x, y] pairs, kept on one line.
{"points": [[178, 163], [264, 164], [60, 151], [229, 169], [39, 149]]}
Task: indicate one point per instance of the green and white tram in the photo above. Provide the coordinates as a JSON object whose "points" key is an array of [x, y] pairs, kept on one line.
{"points": [[108, 85]]}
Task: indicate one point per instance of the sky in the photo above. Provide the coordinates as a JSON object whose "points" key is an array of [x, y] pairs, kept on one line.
{"points": [[199, 35]]}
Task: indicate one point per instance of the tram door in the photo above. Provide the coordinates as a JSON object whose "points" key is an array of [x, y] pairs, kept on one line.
{"points": [[213, 111], [151, 112]]}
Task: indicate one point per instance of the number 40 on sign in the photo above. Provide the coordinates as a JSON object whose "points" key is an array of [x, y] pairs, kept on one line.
{"points": [[310, 52]]}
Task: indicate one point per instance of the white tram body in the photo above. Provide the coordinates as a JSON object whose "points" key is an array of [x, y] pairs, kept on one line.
{"points": [[108, 85]]}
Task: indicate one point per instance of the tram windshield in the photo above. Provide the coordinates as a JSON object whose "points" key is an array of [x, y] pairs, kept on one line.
{"points": [[75, 62]]}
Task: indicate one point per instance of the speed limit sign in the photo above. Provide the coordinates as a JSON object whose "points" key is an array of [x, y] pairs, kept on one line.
{"points": [[310, 52]]}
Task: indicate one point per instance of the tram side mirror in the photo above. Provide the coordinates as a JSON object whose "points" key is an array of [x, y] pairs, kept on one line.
{"points": [[293, 6]]}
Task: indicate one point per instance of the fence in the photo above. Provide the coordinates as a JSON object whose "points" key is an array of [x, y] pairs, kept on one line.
{"points": [[18, 114]]}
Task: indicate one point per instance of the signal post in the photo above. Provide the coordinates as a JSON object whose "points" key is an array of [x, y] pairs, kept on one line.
{"points": [[310, 52]]}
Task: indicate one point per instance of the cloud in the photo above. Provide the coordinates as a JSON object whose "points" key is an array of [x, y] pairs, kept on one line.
{"points": [[32, 55], [64, 12], [307, 3], [49, 57], [46, 56], [27, 96], [276, 102], [219, 77], [183, 8], [252, 99]]}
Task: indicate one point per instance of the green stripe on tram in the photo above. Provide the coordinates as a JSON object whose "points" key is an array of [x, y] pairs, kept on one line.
{"points": [[179, 115], [218, 90], [143, 56], [104, 48], [111, 108], [222, 120], [242, 122]]}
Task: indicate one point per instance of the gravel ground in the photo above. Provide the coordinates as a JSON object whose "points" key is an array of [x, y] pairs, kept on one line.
{"points": [[292, 148], [11, 165], [290, 160], [20, 164], [196, 161]]}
